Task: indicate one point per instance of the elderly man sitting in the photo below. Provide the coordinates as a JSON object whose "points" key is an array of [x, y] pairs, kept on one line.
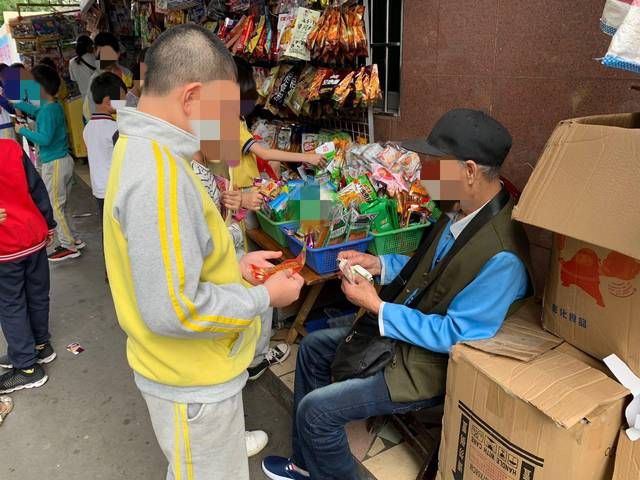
{"points": [[468, 274]]}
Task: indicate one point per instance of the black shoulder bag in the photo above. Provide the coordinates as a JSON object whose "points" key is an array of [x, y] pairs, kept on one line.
{"points": [[364, 352]]}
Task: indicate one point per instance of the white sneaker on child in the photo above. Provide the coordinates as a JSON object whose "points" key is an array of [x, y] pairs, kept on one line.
{"points": [[256, 440]]}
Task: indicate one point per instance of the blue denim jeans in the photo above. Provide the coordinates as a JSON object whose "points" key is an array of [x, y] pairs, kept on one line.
{"points": [[322, 409]]}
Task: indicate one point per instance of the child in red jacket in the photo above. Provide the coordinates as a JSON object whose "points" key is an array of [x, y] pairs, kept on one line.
{"points": [[26, 228]]}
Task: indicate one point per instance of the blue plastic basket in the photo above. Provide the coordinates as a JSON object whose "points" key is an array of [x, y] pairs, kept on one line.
{"points": [[325, 260]]}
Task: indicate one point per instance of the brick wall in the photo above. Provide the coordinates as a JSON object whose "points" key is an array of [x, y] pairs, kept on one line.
{"points": [[527, 63]]}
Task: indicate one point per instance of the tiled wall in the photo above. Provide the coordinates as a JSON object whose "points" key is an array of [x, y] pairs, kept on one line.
{"points": [[528, 63]]}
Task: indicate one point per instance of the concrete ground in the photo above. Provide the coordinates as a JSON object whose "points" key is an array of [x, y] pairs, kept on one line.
{"points": [[89, 421]]}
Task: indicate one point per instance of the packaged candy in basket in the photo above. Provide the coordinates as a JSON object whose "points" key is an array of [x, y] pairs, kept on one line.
{"points": [[277, 208], [385, 215], [359, 225], [337, 231]]}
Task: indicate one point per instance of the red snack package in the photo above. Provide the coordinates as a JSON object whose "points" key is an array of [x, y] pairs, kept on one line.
{"points": [[294, 264]]}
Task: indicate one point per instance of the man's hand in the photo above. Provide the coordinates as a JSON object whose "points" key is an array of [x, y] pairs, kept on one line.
{"points": [[251, 200], [259, 258], [231, 199], [284, 288], [3, 215], [362, 294], [369, 262]]}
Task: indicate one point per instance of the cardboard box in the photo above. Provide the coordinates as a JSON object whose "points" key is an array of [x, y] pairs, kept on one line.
{"points": [[550, 418], [627, 465], [584, 188]]}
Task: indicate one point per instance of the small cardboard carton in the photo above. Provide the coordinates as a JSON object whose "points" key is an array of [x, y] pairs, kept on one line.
{"points": [[549, 418], [585, 190], [627, 465]]}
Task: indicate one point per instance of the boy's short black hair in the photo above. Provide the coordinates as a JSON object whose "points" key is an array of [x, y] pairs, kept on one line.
{"points": [[49, 62], [107, 39], [48, 79], [107, 84], [245, 80], [184, 54]]}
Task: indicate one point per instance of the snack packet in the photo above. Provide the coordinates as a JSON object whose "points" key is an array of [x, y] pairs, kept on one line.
{"points": [[294, 264], [359, 226]]}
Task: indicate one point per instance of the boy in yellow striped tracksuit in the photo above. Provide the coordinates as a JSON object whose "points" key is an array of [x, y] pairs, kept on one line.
{"points": [[180, 294]]}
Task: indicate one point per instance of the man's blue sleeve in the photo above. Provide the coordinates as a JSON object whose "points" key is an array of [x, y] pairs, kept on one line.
{"points": [[477, 312], [391, 266]]}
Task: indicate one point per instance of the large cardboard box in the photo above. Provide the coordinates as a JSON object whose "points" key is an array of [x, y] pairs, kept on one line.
{"points": [[550, 418], [585, 189], [627, 465]]}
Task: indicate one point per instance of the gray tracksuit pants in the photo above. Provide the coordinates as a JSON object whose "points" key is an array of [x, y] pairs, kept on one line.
{"points": [[57, 176], [202, 441]]}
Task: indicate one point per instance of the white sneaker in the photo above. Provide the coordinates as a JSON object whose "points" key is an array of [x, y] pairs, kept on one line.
{"points": [[256, 440]]}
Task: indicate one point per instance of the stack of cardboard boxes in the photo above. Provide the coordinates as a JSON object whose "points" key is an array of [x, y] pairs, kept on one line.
{"points": [[521, 406]]}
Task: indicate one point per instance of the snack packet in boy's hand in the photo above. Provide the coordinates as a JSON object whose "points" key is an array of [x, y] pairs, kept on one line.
{"points": [[294, 264]]}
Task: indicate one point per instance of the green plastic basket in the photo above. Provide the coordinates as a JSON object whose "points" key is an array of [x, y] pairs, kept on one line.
{"points": [[402, 240], [272, 228]]}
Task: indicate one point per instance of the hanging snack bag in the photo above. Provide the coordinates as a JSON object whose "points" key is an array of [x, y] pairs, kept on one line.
{"points": [[374, 91], [255, 36], [342, 91], [288, 83], [266, 87], [298, 96], [309, 142], [306, 20]]}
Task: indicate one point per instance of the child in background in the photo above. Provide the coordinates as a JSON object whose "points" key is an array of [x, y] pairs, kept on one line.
{"points": [[6, 110], [225, 201], [242, 176], [57, 165], [98, 133], [26, 228]]}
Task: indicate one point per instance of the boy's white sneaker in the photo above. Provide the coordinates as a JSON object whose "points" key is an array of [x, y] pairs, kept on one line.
{"points": [[256, 440]]}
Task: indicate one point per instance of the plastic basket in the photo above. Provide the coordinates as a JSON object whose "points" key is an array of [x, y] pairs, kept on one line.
{"points": [[273, 229], [325, 260], [402, 240]]}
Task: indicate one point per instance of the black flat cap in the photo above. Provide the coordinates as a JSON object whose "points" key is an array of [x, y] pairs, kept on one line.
{"points": [[466, 135]]}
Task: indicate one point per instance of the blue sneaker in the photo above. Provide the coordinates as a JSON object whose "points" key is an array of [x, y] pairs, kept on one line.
{"points": [[281, 468]]}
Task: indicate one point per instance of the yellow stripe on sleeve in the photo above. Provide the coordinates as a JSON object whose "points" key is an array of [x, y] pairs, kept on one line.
{"points": [[164, 247], [177, 247]]}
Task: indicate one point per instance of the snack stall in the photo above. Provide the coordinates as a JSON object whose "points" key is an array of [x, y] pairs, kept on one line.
{"points": [[316, 88], [53, 36]]}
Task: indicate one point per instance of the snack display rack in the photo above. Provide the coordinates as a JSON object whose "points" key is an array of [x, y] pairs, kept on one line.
{"points": [[51, 36]]}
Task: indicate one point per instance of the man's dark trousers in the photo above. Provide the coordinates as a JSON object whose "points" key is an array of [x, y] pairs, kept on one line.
{"points": [[322, 409], [24, 307]]}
